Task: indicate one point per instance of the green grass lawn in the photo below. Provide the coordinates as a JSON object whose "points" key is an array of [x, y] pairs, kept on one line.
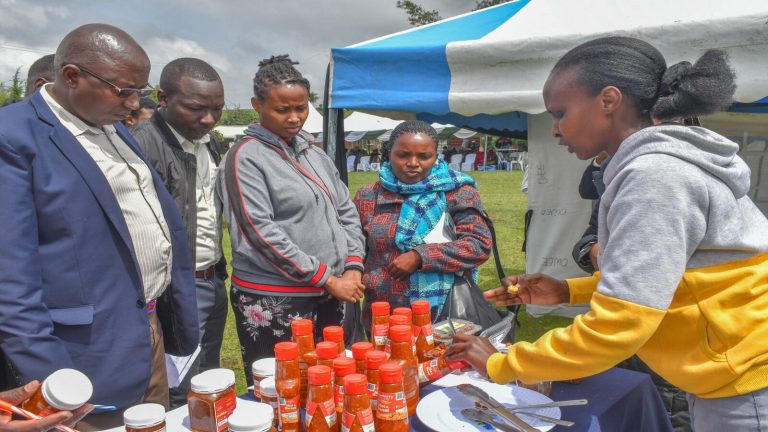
{"points": [[500, 192]]}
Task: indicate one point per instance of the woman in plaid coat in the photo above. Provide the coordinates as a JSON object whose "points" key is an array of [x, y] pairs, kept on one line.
{"points": [[422, 223]]}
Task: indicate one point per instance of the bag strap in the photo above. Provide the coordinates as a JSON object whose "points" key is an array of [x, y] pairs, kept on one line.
{"points": [[497, 258]]}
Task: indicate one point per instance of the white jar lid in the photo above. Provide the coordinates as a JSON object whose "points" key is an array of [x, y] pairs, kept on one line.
{"points": [[225, 375], [67, 389], [255, 417], [212, 381], [267, 387], [264, 367], [148, 414]]}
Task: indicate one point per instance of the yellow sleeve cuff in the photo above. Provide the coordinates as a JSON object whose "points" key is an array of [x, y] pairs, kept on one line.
{"points": [[581, 289], [499, 370]]}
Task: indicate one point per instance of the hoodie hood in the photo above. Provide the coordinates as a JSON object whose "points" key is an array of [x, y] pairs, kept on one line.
{"points": [[707, 150]]}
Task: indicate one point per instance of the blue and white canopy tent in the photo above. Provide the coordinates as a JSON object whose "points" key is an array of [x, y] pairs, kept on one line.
{"points": [[485, 71]]}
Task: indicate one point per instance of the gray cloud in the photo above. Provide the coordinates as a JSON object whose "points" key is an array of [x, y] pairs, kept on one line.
{"points": [[232, 35]]}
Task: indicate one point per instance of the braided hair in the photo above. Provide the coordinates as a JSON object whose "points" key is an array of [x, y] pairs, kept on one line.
{"points": [[276, 70], [412, 127], [640, 71]]}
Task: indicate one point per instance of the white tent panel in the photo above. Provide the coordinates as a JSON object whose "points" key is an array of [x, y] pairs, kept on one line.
{"points": [[559, 216], [505, 70]]}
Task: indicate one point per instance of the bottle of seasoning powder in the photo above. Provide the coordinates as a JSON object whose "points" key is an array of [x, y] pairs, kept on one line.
{"points": [[373, 360], [321, 413], [357, 415], [288, 385], [303, 335], [342, 366], [336, 334], [358, 353], [422, 329], [379, 325], [392, 411]]}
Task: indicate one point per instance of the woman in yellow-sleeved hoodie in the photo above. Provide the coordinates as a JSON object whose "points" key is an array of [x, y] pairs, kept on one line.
{"points": [[684, 251]]}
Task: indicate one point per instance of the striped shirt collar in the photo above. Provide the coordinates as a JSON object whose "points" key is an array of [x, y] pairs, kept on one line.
{"points": [[70, 121]]}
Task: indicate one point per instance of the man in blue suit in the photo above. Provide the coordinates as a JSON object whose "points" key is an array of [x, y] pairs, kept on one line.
{"points": [[91, 237]]}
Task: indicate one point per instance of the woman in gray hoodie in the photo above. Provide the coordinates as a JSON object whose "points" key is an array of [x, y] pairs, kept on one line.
{"points": [[297, 245], [683, 278]]}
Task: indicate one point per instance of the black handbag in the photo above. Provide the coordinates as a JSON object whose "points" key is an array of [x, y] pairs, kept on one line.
{"points": [[466, 301]]}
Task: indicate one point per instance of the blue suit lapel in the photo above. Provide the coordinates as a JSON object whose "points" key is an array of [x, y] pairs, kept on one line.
{"points": [[89, 171]]}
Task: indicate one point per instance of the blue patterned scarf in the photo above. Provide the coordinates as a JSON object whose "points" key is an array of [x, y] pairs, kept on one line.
{"points": [[422, 209]]}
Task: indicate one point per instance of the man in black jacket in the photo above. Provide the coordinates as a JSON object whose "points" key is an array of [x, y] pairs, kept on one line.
{"points": [[177, 140]]}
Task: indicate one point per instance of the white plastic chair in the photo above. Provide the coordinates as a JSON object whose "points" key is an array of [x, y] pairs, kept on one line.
{"points": [[365, 164], [469, 162], [455, 162], [350, 163], [519, 160]]}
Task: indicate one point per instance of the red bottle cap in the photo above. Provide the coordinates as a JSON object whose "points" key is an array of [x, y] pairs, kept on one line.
{"points": [[390, 372], [301, 327], [355, 384], [404, 311], [398, 320], [420, 307], [327, 350], [286, 351], [380, 308], [400, 333], [360, 348], [343, 366], [319, 375], [374, 359], [333, 333]]}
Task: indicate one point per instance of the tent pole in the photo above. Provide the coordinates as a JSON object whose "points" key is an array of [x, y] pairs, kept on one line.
{"points": [[333, 131]]}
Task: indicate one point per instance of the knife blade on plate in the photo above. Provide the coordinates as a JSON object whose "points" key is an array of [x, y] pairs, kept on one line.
{"points": [[478, 394]]}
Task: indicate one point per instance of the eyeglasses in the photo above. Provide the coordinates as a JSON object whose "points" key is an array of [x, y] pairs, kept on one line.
{"points": [[119, 91]]}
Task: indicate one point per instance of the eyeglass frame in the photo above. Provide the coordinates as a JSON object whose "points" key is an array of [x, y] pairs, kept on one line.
{"points": [[121, 92]]}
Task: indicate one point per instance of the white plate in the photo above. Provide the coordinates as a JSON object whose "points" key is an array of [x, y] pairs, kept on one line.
{"points": [[441, 409]]}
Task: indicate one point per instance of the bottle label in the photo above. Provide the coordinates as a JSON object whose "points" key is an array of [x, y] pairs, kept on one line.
{"points": [[338, 397], [373, 394], [429, 371], [288, 409], [392, 406], [410, 383], [365, 417], [222, 409], [380, 332], [426, 330], [327, 410]]}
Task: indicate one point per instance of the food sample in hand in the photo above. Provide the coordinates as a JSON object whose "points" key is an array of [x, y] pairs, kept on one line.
{"points": [[513, 289]]}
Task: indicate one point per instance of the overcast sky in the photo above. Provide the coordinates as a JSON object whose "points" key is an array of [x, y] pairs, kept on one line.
{"points": [[232, 35]]}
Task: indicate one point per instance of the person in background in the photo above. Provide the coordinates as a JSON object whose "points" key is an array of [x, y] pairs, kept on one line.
{"points": [[178, 142], [39, 73], [146, 110], [422, 222], [297, 246], [96, 238], [684, 252]]}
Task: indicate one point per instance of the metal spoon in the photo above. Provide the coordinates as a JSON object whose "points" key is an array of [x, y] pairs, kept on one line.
{"points": [[565, 403]]}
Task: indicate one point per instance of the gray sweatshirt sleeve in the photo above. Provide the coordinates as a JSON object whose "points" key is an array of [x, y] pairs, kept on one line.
{"points": [[255, 220], [653, 215]]}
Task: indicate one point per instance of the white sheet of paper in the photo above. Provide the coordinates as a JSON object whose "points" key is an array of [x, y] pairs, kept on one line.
{"points": [[178, 367]]}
